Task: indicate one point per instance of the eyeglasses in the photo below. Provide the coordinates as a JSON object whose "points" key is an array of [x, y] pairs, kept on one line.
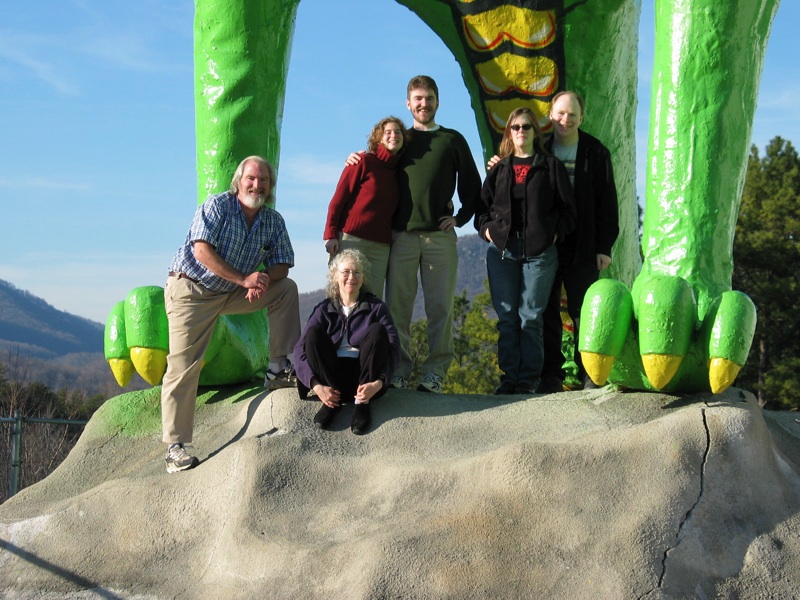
{"points": [[347, 272], [524, 127]]}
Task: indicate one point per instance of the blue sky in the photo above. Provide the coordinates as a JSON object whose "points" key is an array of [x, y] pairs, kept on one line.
{"points": [[97, 160]]}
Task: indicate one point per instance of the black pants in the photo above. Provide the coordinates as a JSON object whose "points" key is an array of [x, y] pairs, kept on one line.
{"points": [[346, 374], [576, 279]]}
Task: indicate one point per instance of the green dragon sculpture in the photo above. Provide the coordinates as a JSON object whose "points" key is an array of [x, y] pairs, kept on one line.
{"points": [[670, 322]]}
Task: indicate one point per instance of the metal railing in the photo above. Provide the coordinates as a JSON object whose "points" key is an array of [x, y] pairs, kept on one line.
{"points": [[15, 474]]}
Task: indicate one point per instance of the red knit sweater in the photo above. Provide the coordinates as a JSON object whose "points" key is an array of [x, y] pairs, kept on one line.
{"points": [[365, 198]]}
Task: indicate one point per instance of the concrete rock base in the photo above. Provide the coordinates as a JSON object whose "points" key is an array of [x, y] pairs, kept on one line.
{"points": [[593, 494]]}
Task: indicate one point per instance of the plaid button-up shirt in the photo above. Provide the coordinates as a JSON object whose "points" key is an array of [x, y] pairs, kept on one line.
{"points": [[220, 222]]}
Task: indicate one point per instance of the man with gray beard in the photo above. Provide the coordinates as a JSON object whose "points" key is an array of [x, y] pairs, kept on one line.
{"points": [[215, 272]]}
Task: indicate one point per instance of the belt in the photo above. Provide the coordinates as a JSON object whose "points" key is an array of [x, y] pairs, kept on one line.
{"points": [[182, 276]]}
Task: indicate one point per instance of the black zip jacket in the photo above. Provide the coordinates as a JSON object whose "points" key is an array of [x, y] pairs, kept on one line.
{"points": [[549, 208], [597, 226]]}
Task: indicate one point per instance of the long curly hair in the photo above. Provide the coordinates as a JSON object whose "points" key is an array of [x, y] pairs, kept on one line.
{"points": [[376, 135], [347, 255]]}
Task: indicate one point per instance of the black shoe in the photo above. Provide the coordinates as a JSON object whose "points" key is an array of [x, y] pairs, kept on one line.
{"points": [[550, 385], [504, 389], [525, 388], [325, 415], [361, 419]]}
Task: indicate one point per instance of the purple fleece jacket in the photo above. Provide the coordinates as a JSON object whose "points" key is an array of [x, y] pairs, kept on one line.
{"points": [[370, 309]]}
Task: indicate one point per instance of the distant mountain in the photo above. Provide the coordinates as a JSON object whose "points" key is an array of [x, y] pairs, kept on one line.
{"points": [[471, 265], [31, 325], [39, 343]]}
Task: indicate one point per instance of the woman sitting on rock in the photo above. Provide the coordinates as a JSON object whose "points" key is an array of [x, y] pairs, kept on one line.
{"points": [[349, 348]]}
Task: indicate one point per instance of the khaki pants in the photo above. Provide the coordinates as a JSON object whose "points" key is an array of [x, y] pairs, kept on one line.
{"points": [[434, 255], [378, 256], [192, 311]]}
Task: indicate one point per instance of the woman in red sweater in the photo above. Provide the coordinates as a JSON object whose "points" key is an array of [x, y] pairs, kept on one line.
{"points": [[360, 212]]}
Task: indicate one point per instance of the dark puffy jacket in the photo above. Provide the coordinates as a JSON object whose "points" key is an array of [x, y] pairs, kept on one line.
{"points": [[549, 208], [597, 227]]}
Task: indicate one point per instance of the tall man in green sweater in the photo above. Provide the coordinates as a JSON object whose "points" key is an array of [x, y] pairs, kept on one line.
{"points": [[435, 164]]}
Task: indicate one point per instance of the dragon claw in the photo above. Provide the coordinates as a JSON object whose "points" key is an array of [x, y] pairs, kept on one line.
{"points": [[122, 368], [661, 368], [598, 366], [150, 363], [661, 342], [721, 374], [136, 339]]}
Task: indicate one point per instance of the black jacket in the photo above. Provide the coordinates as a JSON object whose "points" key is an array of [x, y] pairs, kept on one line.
{"points": [[549, 208], [597, 226]]}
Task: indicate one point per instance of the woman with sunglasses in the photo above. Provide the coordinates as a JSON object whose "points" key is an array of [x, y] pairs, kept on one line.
{"points": [[526, 204], [349, 348]]}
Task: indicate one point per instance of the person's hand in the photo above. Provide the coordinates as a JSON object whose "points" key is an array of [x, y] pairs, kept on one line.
{"points": [[327, 395], [492, 162], [603, 261], [253, 294], [447, 223], [256, 284], [332, 246], [353, 159], [366, 391]]}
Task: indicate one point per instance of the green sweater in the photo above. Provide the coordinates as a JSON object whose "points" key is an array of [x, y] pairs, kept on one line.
{"points": [[433, 164]]}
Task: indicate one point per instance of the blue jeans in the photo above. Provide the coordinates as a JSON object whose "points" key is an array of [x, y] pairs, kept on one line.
{"points": [[520, 287]]}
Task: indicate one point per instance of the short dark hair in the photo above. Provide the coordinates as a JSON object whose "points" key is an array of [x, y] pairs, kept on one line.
{"points": [[424, 82]]}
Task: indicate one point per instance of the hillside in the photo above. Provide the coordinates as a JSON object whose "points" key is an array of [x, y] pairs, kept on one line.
{"points": [[40, 330], [43, 344]]}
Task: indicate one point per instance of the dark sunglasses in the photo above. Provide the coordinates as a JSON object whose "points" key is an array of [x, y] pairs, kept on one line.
{"points": [[524, 127]]}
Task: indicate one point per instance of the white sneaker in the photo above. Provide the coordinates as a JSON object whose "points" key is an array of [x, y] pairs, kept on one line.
{"points": [[398, 383], [285, 378], [178, 459], [430, 383]]}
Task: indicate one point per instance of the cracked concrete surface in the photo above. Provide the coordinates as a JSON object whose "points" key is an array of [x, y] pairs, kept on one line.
{"points": [[687, 517], [576, 495]]}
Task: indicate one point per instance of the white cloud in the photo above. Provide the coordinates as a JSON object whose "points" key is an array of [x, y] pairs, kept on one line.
{"points": [[129, 50], [25, 51], [44, 184]]}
